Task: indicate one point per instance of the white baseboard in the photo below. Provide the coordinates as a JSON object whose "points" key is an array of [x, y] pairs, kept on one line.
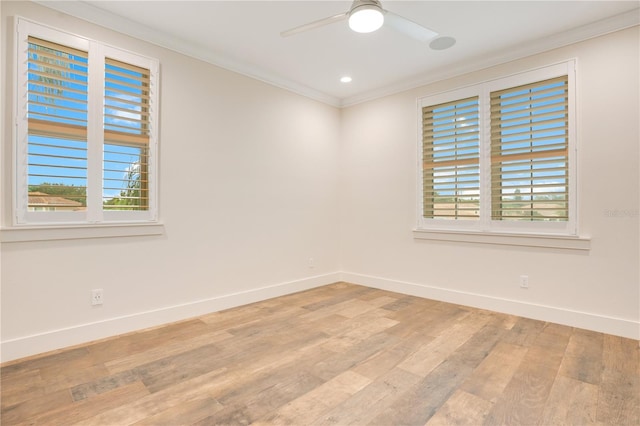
{"points": [[62, 338], [604, 324]]}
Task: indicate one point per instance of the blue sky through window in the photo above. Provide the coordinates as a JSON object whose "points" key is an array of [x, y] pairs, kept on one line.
{"points": [[58, 113], [533, 151]]}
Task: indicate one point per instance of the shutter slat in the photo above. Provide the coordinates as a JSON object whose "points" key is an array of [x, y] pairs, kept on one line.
{"points": [[451, 158], [536, 85], [57, 90], [526, 128], [526, 161], [554, 153], [533, 118], [56, 126], [526, 104], [126, 134]]}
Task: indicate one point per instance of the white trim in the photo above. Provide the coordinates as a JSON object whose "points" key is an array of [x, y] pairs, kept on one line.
{"points": [[508, 239], [57, 339], [483, 90], [77, 232], [97, 51], [600, 323], [95, 132], [61, 338]]}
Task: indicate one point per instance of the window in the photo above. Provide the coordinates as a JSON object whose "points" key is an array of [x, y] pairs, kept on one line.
{"points": [[86, 139], [126, 137], [451, 155], [529, 152], [499, 156]]}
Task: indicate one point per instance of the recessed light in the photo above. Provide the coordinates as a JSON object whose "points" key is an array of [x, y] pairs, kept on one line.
{"points": [[346, 79]]}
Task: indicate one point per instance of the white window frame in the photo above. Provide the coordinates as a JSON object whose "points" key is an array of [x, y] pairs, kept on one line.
{"points": [[94, 214], [485, 225]]}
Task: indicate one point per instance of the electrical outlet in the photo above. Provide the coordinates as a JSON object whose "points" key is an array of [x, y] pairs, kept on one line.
{"points": [[97, 296], [311, 263], [524, 281]]}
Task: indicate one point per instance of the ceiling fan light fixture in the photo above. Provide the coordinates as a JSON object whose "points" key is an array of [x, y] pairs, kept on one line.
{"points": [[366, 18]]}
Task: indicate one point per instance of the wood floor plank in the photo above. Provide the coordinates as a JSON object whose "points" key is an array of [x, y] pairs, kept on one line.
{"points": [[358, 331], [234, 317], [461, 409], [583, 357], [249, 408], [436, 351], [70, 375], [572, 402], [30, 408], [524, 332], [170, 348], [421, 401], [333, 365], [362, 407], [151, 404], [73, 356], [489, 380], [85, 409], [338, 294], [390, 356], [400, 303], [318, 401], [266, 323], [21, 386], [428, 322], [183, 414], [103, 384], [524, 398], [144, 340], [334, 355], [619, 394]]}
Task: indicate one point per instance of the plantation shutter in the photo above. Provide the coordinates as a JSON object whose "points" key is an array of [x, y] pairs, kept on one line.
{"points": [[126, 111], [57, 126], [529, 152], [126, 137], [451, 160]]}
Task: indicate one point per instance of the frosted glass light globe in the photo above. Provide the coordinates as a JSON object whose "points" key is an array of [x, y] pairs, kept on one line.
{"points": [[366, 19]]}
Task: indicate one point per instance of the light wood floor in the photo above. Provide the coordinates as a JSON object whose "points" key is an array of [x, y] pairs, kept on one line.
{"points": [[336, 355]]}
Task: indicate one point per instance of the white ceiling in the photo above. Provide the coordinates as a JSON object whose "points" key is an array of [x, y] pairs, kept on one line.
{"points": [[244, 36]]}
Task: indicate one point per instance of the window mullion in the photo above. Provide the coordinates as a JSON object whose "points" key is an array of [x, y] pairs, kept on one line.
{"points": [[95, 133], [572, 170], [485, 159]]}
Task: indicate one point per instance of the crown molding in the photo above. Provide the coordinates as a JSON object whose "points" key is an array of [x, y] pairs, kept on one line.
{"points": [[585, 32], [84, 10], [88, 12]]}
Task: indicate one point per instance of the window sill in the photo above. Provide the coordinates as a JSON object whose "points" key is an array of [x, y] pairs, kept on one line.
{"points": [[527, 240], [77, 232]]}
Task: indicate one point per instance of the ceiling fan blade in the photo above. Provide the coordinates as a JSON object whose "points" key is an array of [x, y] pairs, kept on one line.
{"points": [[315, 24], [408, 27]]}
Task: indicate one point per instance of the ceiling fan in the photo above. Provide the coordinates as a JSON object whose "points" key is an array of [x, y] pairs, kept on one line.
{"points": [[366, 16]]}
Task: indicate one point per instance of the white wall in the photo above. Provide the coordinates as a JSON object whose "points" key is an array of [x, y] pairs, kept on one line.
{"points": [[248, 178], [255, 180], [598, 289]]}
